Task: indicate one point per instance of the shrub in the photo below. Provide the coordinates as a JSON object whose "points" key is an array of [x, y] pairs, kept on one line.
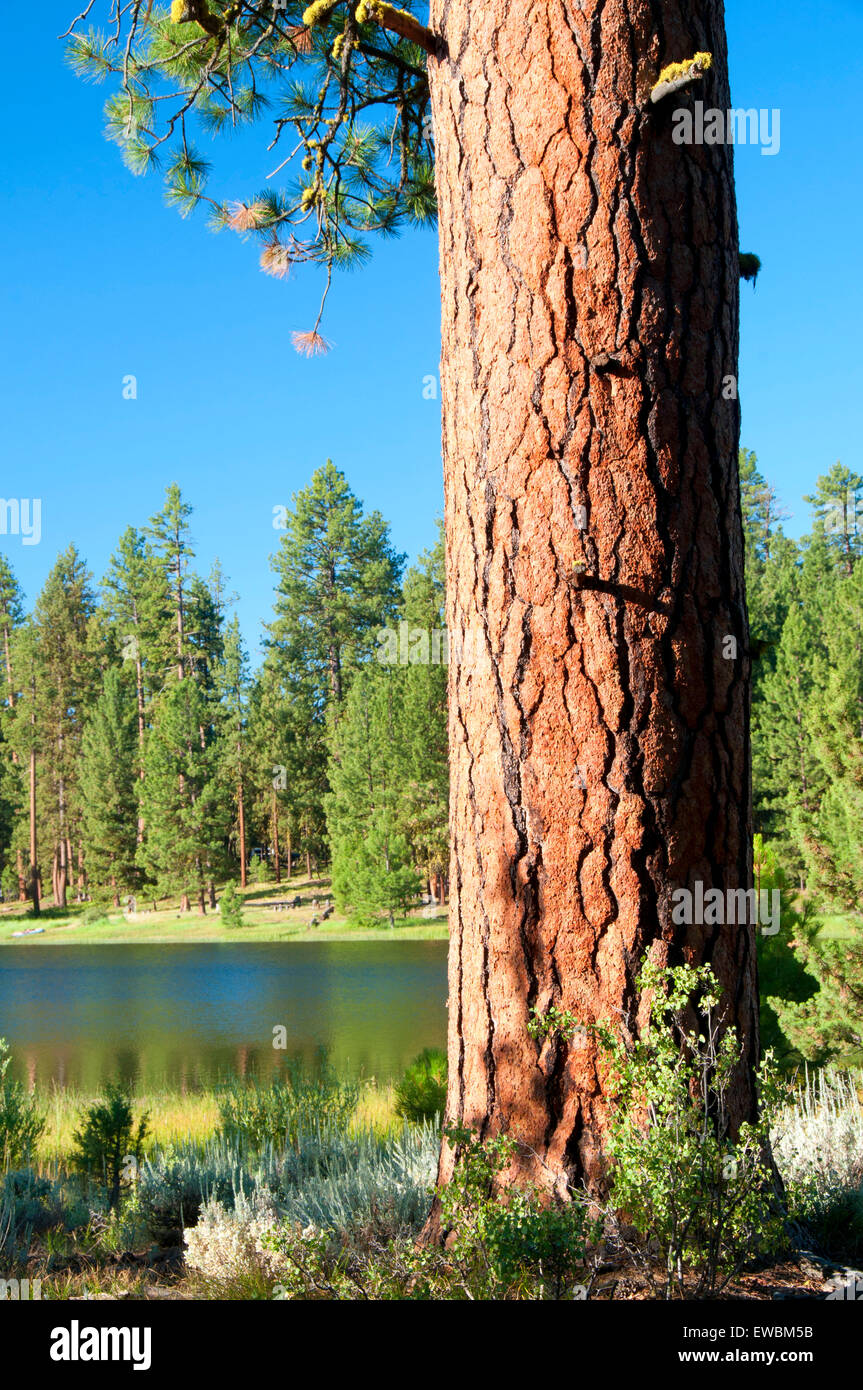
{"points": [[96, 912], [259, 870], [421, 1094], [519, 1245], [338, 1181], [523, 1242], [818, 1146], [21, 1124], [108, 1146], [231, 906], [228, 1243], [278, 1113], [705, 1201], [30, 1205], [329, 1177], [702, 1201]]}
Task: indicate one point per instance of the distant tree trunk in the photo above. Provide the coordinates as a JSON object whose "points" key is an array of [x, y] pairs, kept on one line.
{"points": [[19, 858], [275, 822], [308, 864], [290, 852], [184, 903], [139, 691], [241, 812], [599, 737], [34, 867]]}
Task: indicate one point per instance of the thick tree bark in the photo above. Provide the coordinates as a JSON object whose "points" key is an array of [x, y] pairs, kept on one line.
{"points": [[599, 737]]}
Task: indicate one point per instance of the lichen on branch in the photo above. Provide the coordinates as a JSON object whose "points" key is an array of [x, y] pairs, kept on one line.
{"points": [[400, 22], [677, 75]]}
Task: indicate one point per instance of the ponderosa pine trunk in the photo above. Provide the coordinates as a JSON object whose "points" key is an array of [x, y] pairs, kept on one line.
{"points": [[599, 732]]}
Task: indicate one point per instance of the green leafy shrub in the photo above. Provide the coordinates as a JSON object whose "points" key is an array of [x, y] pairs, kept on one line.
{"points": [[21, 1124], [231, 906], [421, 1094], [109, 1146], [92, 914], [522, 1242], [278, 1113], [702, 1201], [260, 871]]}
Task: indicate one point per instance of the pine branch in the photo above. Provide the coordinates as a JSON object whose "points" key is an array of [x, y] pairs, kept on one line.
{"points": [[400, 22], [189, 11], [387, 16]]}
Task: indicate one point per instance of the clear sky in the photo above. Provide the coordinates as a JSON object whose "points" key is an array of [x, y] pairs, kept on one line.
{"points": [[102, 280]]}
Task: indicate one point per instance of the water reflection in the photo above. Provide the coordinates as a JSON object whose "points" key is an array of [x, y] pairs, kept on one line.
{"points": [[188, 1016]]}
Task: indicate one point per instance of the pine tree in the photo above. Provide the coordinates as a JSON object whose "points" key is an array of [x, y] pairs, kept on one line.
{"points": [[834, 720], [64, 686], [234, 751], [594, 544], [135, 602], [169, 535], [338, 580], [420, 736], [838, 504], [787, 774], [109, 786], [372, 868], [182, 806], [11, 784], [25, 732]]}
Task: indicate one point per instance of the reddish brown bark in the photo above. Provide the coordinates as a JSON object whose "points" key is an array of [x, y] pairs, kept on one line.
{"points": [[599, 738]]}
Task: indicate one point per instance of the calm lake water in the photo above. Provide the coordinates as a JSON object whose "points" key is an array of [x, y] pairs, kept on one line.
{"points": [[192, 1015]]}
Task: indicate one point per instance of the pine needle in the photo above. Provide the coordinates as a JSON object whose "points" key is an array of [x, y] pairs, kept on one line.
{"points": [[312, 344]]}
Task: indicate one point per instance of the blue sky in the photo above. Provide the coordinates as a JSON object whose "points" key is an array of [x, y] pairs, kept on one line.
{"points": [[103, 280]]}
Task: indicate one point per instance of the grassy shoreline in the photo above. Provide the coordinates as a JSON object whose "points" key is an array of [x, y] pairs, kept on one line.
{"points": [[178, 1116], [166, 925]]}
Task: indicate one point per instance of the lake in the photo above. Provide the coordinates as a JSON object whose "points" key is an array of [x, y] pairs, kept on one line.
{"points": [[188, 1016]]}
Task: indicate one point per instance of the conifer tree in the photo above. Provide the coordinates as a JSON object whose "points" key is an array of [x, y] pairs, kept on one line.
{"points": [[788, 775], [838, 504], [338, 578], [594, 542], [169, 536], [135, 601], [834, 720], [186, 819], [64, 687], [11, 785], [372, 869], [234, 752], [26, 740], [109, 786], [420, 736]]}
